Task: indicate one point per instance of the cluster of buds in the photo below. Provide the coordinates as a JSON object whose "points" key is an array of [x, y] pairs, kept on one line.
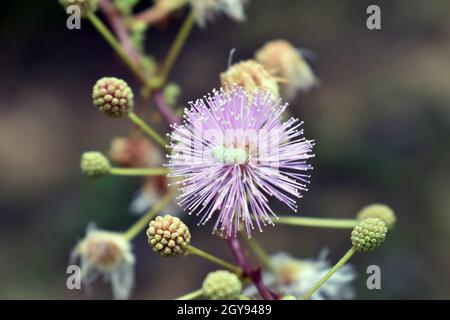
{"points": [[113, 97], [168, 235], [94, 164], [369, 234], [222, 285]]}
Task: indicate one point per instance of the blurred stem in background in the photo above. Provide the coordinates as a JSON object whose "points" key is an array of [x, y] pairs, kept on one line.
{"points": [[137, 227], [139, 171], [317, 222]]}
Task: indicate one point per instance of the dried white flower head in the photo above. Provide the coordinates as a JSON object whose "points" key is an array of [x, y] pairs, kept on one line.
{"points": [[109, 254], [380, 211], [251, 76], [222, 285], [207, 10], [284, 61], [295, 277]]}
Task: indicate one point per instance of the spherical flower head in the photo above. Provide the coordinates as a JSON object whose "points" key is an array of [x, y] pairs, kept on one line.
{"points": [[380, 211], [113, 97], [251, 76], [207, 10], [369, 234], [168, 235], [94, 164], [86, 6], [109, 254], [222, 285], [281, 59], [232, 153]]}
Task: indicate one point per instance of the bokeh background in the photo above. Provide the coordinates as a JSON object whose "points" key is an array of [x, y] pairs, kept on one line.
{"points": [[381, 122]]}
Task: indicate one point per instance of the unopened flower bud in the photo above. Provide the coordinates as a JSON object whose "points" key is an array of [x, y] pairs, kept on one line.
{"points": [[284, 61], [86, 6], [378, 211], [368, 234], [168, 235], [94, 164], [113, 97], [222, 285], [251, 76]]}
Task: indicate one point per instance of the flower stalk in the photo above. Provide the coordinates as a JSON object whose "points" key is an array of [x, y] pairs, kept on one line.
{"points": [[152, 133], [138, 171], [317, 222], [214, 259], [339, 264]]}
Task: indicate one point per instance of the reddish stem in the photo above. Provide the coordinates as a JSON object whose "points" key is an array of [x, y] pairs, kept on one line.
{"points": [[117, 23], [254, 275], [165, 110]]}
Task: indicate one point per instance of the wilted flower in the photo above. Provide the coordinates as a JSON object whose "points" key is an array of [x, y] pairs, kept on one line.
{"points": [[207, 10], [109, 254], [251, 76], [284, 61], [295, 277], [232, 152]]}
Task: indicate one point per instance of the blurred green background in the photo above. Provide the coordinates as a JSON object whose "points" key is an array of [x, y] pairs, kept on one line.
{"points": [[381, 122]]}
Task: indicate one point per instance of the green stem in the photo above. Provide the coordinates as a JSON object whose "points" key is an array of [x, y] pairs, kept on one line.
{"points": [[137, 227], [340, 263], [317, 222], [192, 295], [114, 43], [214, 259], [260, 252], [152, 133], [176, 47], [139, 171]]}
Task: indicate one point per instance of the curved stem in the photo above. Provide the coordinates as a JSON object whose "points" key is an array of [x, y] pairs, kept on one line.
{"points": [[111, 39], [259, 252], [340, 263], [255, 275], [175, 49], [139, 171], [192, 295], [317, 222], [152, 133], [137, 227], [214, 259], [164, 108]]}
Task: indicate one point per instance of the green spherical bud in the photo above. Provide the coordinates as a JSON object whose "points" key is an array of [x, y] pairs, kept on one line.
{"points": [[113, 97], [369, 234], [380, 211], [86, 6], [222, 285], [168, 235], [288, 297], [94, 164]]}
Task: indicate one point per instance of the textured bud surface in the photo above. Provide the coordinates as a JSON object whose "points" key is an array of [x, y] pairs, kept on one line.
{"points": [[86, 6], [94, 164], [168, 235], [251, 76], [380, 211], [113, 97], [288, 297], [222, 285], [369, 234]]}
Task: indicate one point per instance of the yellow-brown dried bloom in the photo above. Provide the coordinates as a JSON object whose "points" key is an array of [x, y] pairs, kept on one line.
{"points": [[285, 62], [251, 76], [168, 235], [222, 285], [378, 211], [113, 97]]}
